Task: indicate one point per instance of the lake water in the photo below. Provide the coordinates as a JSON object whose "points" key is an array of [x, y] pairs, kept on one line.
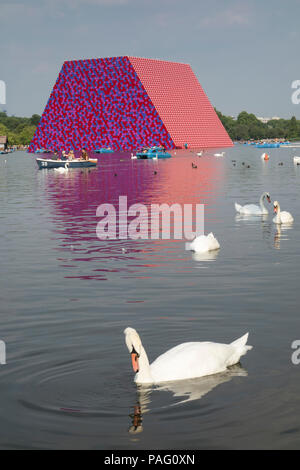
{"points": [[66, 298]]}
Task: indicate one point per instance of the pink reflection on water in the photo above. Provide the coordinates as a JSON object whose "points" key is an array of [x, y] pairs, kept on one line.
{"points": [[73, 199]]}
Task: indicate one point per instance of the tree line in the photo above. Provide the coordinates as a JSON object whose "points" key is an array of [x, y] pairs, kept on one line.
{"points": [[20, 130], [247, 127]]}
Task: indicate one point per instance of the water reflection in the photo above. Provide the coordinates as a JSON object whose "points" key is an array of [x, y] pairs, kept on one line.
{"points": [[280, 232], [251, 217], [73, 199], [208, 256], [185, 390]]}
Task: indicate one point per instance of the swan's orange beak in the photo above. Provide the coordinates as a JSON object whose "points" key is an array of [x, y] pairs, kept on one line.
{"points": [[135, 361], [275, 209]]}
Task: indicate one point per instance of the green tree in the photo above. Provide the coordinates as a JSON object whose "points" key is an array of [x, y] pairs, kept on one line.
{"points": [[35, 119], [3, 129], [293, 128], [26, 135]]}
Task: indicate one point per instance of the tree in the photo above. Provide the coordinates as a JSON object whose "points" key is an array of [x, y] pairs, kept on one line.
{"points": [[3, 129], [35, 119], [293, 129], [26, 136]]}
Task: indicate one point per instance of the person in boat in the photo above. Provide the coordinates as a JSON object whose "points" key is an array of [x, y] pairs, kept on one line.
{"points": [[71, 155], [84, 154], [64, 155], [55, 155]]}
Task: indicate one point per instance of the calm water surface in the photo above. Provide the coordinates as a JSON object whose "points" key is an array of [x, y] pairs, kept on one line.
{"points": [[66, 298]]}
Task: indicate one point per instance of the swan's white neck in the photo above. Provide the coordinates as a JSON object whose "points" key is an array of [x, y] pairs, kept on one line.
{"points": [[277, 216], [261, 203], [144, 374]]}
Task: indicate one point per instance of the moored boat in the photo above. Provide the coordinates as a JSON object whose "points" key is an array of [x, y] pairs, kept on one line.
{"points": [[153, 152], [104, 150], [267, 146], [42, 151], [47, 163]]}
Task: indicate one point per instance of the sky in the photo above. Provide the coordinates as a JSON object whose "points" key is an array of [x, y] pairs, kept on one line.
{"points": [[245, 53]]}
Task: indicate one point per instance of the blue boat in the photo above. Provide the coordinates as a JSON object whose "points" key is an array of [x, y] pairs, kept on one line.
{"points": [[44, 163], [42, 151], [267, 146], [153, 152], [104, 151]]}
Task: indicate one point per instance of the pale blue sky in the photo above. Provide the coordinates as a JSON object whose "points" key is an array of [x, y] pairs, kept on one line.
{"points": [[244, 53]]}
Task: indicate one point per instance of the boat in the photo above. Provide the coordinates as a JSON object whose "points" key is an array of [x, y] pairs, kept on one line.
{"points": [[48, 163], [153, 152], [108, 150], [267, 146], [42, 151]]}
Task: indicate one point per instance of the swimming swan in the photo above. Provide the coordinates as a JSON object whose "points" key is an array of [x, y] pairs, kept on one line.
{"points": [[203, 243], [281, 217], [219, 154], [185, 361], [62, 169], [253, 209]]}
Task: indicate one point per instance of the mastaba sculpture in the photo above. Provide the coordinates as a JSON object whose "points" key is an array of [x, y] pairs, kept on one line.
{"points": [[126, 103]]}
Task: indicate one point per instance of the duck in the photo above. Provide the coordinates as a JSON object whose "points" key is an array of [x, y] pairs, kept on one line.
{"points": [[203, 243], [185, 361], [253, 209], [281, 217], [63, 169], [194, 166]]}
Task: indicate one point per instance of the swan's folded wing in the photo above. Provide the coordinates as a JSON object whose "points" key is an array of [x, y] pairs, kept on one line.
{"points": [[189, 360]]}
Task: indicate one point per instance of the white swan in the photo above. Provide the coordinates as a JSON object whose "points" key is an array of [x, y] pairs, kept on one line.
{"points": [[296, 160], [62, 169], [185, 361], [203, 243], [219, 154], [281, 217], [200, 153], [253, 209]]}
